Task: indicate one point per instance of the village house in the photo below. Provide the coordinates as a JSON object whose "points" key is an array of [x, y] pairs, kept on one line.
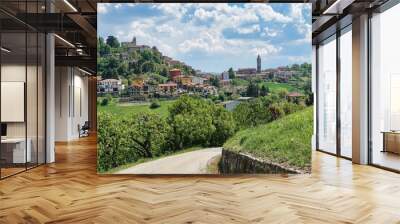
{"points": [[198, 80], [111, 86], [295, 96], [174, 74], [168, 88]]}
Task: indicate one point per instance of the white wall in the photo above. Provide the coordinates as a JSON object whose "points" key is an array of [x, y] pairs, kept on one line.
{"points": [[71, 102]]}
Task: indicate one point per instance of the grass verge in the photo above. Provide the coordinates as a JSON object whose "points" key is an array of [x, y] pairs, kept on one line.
{"points": [[286, 141], [126, 109]]}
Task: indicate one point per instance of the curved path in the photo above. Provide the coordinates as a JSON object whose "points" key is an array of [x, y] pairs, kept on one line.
{"points": [[194, 162]]}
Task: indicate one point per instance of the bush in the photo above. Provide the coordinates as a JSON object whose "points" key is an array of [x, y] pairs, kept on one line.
{"points": [[154, 105], [224, 126], [106, 100], [122, 141], [113, 146], [275, 112], [263, 110], [147, 134], [195, 121]]}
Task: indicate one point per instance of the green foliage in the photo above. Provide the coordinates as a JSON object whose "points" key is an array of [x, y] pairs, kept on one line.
{"points": [[122, 141], [155, 104], [195, 121], [214, 81], [263, 110], [239, 82], [231, 73], [224, 126], [286, 140], [147, 134], [103, 48], [164, 72], [113, 146], [264, 90], [275, 111], [106, 100], [112, 41], [252, 90]]}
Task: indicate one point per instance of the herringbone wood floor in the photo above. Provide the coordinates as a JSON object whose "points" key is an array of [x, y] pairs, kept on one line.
{"points": [[70, 191]]}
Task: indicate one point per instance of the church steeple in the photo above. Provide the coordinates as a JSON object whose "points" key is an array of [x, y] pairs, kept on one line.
{"points": [[258, 64], [134, 41]]}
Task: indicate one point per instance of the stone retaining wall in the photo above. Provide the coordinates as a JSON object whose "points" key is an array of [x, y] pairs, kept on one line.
{"points": [[238, 163]]}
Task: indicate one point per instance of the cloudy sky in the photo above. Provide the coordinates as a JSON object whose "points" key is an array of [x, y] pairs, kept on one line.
{"points": [[215, 37]]}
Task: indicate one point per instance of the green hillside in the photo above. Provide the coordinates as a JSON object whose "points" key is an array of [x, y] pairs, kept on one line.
{"points": [[286, 141], [128, 109]]}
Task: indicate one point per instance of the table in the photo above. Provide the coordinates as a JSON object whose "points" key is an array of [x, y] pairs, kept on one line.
{"points": [[13, 150]]}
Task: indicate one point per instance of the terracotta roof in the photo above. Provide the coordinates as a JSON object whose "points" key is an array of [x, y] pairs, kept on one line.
{"points": [[295, 94], [167, 85]]}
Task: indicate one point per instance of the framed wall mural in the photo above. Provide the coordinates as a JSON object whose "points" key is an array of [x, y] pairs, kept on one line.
{"points": [[204, 88]]}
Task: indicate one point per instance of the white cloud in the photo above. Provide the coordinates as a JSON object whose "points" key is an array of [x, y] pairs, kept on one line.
{"points": [[102, 8], [270, 32], [302, 25], [247, 30], [299, 59], [176, 10], [267, 13]]}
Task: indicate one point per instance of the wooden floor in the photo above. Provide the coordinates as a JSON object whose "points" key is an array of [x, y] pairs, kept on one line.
{"points": [[70, 191]]}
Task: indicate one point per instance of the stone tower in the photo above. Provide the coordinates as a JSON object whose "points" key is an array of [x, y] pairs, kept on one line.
{"points": [[134, 41], [258, 64]]}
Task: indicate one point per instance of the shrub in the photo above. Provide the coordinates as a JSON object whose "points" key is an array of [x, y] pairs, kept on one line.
{"points": [[155, 104], [113, 146], [106, 100], [224, 126], [263, 110], [121, 141], [147, 134], [195, 121], [275, 112]]}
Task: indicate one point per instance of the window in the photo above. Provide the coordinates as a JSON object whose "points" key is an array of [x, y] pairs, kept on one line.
{"points": [[327, 96], [385, 89], [346, 92]]}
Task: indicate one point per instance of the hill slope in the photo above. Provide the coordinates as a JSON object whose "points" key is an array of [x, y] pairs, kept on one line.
{"points": [[286, 141]]}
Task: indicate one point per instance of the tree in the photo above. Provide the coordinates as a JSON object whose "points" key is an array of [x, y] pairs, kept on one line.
{"points": [[283, 93], [252, 90], [214, 81], [231, 73], [196, 121], [264, 90], [224, 125], [112, 41], [148, 66], [164, 72], [122, 69], [147, 133], [104, 49]]}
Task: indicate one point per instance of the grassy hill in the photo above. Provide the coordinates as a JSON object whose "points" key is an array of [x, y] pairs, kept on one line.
{"points": [[276, 86], [126, 109], [286, 141]]}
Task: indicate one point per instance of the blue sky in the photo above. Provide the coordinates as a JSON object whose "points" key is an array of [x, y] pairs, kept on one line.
{"points": [[214, 37]]}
